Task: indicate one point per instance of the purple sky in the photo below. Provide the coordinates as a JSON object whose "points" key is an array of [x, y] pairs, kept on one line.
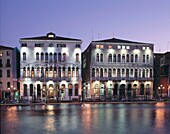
{"points": [[136, 20]]}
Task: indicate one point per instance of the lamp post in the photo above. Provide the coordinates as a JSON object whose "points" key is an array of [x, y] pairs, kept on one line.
{"points": [[161, 90]]}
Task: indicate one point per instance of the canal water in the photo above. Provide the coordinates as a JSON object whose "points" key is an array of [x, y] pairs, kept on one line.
{"points": [[86, 119]]}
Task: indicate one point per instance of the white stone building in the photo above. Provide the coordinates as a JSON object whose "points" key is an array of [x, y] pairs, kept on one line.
{"points": [[120, 68], [50, 68], [9, 73]]}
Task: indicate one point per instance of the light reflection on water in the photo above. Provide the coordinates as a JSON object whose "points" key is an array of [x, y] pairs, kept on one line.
{"points": [[87, 119]]}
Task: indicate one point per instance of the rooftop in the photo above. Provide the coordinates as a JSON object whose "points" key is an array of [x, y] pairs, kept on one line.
{"points": [[50, 36]]}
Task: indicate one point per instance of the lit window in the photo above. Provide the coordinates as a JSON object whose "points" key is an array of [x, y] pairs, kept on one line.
{"points": [[143, 48], [147, 47], [110, 46], [127, 47], [118, 47], [123, 47], [101, 46], [97, 46]]}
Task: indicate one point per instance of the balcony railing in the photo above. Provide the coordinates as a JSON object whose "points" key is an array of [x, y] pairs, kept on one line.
{"points": [[121, 78]]}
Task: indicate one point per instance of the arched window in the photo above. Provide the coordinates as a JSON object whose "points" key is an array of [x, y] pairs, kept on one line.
{"points": [[143, 73], [55, 72], [64, 56], [93, 72], [132, 58], [131, 72], [119, 58], [105, 72], [55, 57], [114, 72], [101, 57], [123, 58], [114, 58], [97, 57], [42, 72], [42, 56], [127, 58], [147, 72], [59, 72], [69, 71], [110, 58], [136, 73], [25, 90], [24, 72], [136, 58], [147, 58], [24, 56], [73, 72], [143, 58], [76, 89], [127, 73], [101, 72], [37, 56], [32, 72], [46, 72], [140, 73], [51, 57], [123, 72], [118, 72], [64, 72], [38, 72], [110, 72], [59, 57], [28, 72], [77, 72], [38, 90], [51, 72], [77, 57], [8, 84], [8, 73], [151, 73], [46, 57], [97, 72], [31, 89]]}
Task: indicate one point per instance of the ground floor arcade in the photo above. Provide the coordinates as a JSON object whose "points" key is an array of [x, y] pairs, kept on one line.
{"points": [[46, 91], [119, 89]]}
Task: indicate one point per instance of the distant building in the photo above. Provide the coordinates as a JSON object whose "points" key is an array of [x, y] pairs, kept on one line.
{"points": [[118, 68], [162, 74], [50, 68], [9, 73]]}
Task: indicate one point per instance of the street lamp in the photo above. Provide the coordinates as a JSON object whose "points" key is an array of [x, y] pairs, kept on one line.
{"points": [[161, 89]]}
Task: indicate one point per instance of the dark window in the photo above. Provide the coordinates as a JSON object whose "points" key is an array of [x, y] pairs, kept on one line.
{"points": [[132, 58], [101, 57], [42, 56], [8, 73], [97, 57], [59, 57], [93, 72], [7, 53], [8, 84], [119, 58], [77, 45], [38, 90], [110, 58], [31, 89], [76, 89], [0, 73], [46, 57], [24, 45], [37, 56], [51, 45], [25, 90], [143, 58], [24, 56]]}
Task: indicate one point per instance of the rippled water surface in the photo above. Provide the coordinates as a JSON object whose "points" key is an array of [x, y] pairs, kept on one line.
{"points": [[87, 119]]}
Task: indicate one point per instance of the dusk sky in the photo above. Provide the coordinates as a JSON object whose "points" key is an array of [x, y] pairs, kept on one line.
{"points": [[136, 20]]}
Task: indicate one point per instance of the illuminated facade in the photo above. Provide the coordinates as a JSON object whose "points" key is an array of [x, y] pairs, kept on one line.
{"points": [[119, 69], [9, 73], [50, 68]]}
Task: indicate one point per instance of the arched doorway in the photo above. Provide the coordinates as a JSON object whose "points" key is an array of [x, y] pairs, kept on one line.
{"points": [[70, 90], [51, 91], [142, 89], [122, 91], [115, 90], [63, 91], [129, 89]]}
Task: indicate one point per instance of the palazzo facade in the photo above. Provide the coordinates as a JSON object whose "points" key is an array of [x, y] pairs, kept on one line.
{"points": [[50, 68], [119, 69]]}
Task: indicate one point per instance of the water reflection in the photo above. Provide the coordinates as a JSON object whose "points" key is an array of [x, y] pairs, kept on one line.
{"points": [[87, 118]]}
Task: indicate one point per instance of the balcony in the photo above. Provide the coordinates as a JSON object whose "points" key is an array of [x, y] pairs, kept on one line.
{"points": [[121, 78]]}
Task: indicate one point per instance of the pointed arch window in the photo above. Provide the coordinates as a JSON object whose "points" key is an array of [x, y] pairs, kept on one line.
{"points": [[118, 72], [131, 72], [123, 72], [136, 73], [64, 72], [136, 58], [110, 72], [51, 57], [123, 58], [127, 58], [127, 73], [59, 72], [55, 72], [97, 72], [59, 57], [55, 57], [132, 58], [114, 58], [24, 72], [119, 58], [97, 57], [114, 71], [25, 90], [32, 72], [46, 72]]}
